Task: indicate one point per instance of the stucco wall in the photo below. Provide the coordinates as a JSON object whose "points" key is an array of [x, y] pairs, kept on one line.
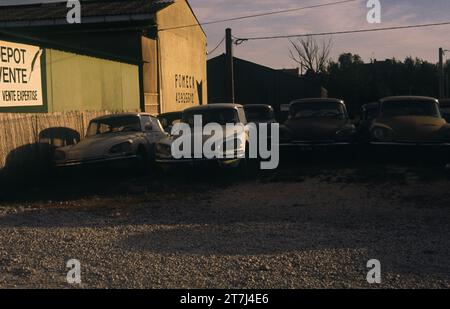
{"points": [[182, 59], [76, 82]]}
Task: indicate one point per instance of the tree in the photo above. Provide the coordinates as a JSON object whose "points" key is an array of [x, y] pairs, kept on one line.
{"points": [[357, 82], [311, 54]]}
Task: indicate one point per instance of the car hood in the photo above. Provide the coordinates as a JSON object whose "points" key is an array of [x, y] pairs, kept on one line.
{"points": [[97, 146], [315, 129], [414, 127], [228, 134]]}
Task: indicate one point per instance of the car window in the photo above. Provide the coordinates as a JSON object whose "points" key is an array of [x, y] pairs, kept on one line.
{"points": [[370, 113], [410, 108], [221, 116], [114, 124], [146, 121], [168, 120], [306, 110], [156, 124], [253, 113]]}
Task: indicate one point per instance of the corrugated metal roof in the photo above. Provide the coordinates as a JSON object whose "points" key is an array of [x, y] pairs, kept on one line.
{"points": [[59, 10]]}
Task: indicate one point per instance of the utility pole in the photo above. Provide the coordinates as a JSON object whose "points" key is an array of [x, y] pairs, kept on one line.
{"points": [[229, 66], [447, 94], [441, 73]]}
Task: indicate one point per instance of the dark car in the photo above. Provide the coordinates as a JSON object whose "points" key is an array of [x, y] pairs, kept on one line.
{"points": [[317, 122], [409, 120], [259, 113], [445, 109], [169, 119]]}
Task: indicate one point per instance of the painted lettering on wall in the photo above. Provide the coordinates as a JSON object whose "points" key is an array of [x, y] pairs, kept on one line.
{"points": [[20, 75], [185, 86]]}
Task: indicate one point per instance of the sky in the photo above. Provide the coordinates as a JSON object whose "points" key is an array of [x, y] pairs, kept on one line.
{"points": [[422, 43]]}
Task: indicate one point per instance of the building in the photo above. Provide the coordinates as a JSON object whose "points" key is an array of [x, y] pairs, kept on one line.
{"points": [[147, 55], [257, 84]]}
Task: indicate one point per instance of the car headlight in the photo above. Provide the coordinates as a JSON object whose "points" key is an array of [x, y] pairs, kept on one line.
{"points": [[382, 134], [59, 155], [121, 148], [163, 149]]}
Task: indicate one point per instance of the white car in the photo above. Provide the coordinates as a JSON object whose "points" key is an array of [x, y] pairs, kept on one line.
{"points": [[125, 138], [232, 146]]}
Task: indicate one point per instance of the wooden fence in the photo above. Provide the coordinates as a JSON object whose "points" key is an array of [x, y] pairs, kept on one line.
{"points": [[28, 139]]}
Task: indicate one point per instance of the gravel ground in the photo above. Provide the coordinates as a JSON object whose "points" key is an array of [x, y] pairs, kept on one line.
{"points": [[294, 228]]}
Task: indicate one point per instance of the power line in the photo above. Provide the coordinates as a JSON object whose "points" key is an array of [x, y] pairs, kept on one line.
{"points": [[215, 48], [262, 14], [240, 40]]}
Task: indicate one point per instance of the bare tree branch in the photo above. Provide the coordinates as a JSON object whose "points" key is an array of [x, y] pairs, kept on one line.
{"points": [[307, 52]]}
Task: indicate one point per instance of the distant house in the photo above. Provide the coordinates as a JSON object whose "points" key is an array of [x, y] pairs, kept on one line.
{"points": [[257, 84]]}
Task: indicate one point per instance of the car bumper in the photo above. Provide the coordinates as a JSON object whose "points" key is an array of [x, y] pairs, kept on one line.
{"points": [[99, 161]]}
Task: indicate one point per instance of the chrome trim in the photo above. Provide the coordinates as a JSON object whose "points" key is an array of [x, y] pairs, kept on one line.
{"points": [[94, 161]]}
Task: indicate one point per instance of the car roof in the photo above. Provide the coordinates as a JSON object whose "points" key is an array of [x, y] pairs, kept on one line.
{"points": [[310, 100], [213, 106], [258, 106], [408, 98], [122, 115]]}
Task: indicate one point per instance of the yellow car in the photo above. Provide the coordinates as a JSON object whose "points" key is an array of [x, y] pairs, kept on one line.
{"points": [[409, 120]]}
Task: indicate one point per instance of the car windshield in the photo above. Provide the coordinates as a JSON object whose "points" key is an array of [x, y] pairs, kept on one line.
{"points": [[258, 113], [114, 125], [318, 110], [410, 108], [221, 116]]}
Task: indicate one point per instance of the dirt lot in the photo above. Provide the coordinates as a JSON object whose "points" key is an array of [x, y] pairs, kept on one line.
{"points": [[306, 225]]}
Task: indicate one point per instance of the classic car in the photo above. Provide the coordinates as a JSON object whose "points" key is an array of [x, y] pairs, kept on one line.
{"points": [[169, 119], [445, 109], [259, 113], [409, 120], [122, 138], [317, 122], [224, 154]]}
